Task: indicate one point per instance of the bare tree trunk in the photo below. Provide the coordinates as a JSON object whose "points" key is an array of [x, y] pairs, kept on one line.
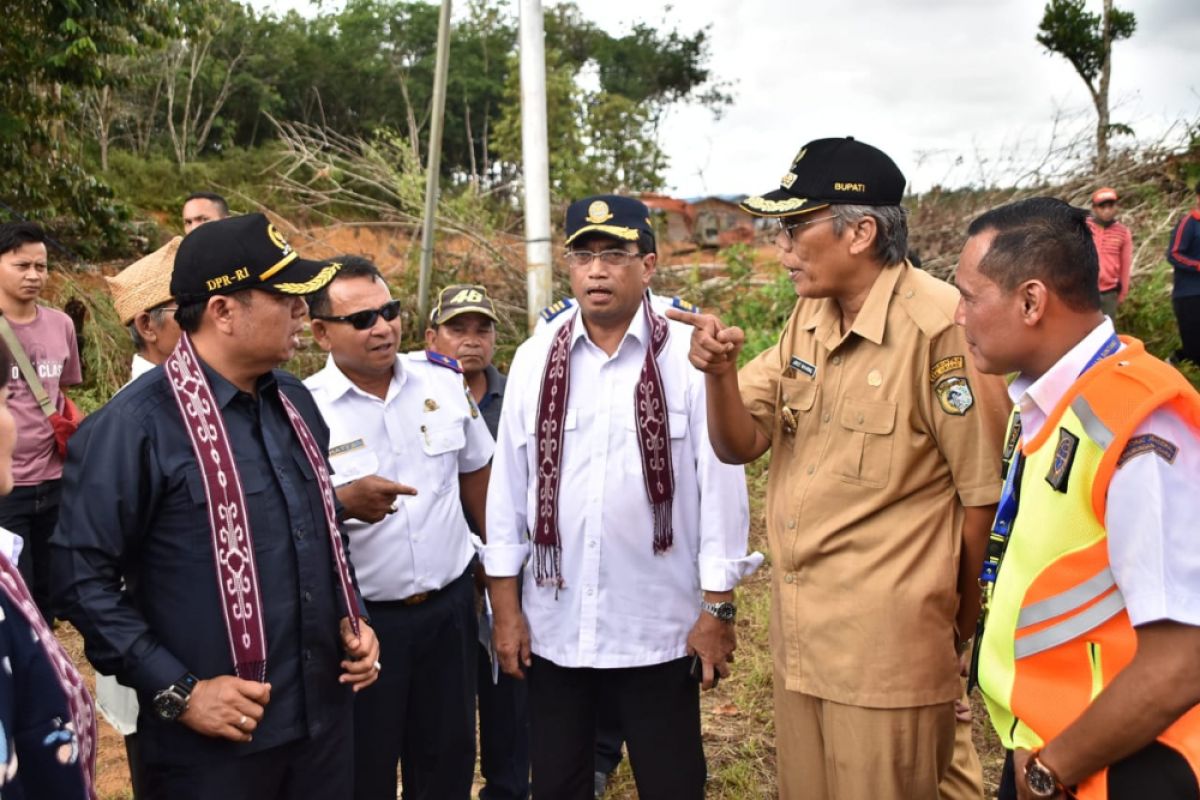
{"points": [[470, 143], [414, 132], [1101, 95]]}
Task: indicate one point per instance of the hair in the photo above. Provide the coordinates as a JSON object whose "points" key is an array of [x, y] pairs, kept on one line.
{"points": [[16, 234], [352, 267], [891, 228], [156, 315], [1042, 238], [190, 313], [6, 364], [211, 196]]}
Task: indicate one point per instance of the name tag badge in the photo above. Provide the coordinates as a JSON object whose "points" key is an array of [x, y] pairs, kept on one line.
{"points": [[800, 365], [348, 447]]}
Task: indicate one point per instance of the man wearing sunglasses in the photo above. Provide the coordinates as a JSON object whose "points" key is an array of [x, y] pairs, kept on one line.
{"points": [[635, 534], [885, 468], [409, 451]]}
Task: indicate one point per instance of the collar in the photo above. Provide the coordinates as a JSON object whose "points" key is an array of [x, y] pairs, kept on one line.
{"points": [[10, 545], [224, 391], [1046, 391], [495, 381], [639, 330], [872, 317], [338, 385]]}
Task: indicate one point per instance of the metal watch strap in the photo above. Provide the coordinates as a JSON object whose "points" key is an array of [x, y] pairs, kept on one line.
{"points": [[725, 611]]}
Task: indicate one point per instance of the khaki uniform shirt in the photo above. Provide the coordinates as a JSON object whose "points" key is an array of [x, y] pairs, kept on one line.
{"points": [[879, 438]]}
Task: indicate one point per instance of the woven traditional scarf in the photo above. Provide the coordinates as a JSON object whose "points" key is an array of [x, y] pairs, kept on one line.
{"points": [[232, 542], [83, 713], [654, 442]]}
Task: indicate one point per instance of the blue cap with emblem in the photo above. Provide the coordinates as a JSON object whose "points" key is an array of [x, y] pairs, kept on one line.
{"points": [[609, 215]]}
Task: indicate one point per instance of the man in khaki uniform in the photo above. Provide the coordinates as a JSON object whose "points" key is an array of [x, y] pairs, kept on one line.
{"points": [[884, 474]]}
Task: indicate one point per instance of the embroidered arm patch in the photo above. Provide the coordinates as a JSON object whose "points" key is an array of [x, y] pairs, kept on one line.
{"points": [[1148, 443]]}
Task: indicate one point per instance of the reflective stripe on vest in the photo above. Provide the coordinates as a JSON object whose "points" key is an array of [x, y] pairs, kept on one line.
{"points": [[1070, 628]]}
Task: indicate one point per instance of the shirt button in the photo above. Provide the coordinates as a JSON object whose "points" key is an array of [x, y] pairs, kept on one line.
{"points": [[592, 543], [909, 294], [299, 533], [308, 653], [308, 597], [836, 360], [789, 578], [860, 419], [589, 591], [785, 398], [791, 524], [825, 417], [811, 469]]}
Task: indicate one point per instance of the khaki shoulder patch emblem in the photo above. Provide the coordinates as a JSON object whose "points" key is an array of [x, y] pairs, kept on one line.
{"points": [[1064, 456], [341, 449], [946, 365], [1149, 443], [954, 395]]}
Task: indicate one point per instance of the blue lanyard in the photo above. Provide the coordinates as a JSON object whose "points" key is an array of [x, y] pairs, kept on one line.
{"points": [[1006, 511]]}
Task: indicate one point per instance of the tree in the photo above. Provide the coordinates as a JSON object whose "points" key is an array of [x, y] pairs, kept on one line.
{"points": [[1085, 40]]}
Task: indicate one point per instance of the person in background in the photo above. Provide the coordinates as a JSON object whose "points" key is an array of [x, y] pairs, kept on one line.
{"points": [[202, 207], [1090, 654], [410, 452], [142, 297], [1114, 245], [47, 337], [1183, 252], [198, 551], [884, 472], [463, 326]]}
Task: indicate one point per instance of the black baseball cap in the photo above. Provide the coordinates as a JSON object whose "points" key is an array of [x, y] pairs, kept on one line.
{"points": [[832, 172], [247, 252], [609, 214]]}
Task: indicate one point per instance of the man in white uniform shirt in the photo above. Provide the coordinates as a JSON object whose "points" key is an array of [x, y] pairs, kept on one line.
{"points": [[406, 444], [635, 532]]}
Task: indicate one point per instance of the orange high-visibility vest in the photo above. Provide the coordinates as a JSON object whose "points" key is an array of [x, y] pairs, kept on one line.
{"points": [[1057, 631]]}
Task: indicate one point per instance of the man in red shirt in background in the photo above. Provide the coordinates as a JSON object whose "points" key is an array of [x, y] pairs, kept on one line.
{"points": [[1114, 244]]}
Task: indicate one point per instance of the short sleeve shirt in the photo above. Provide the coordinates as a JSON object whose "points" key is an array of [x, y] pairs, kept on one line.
{"points": [[879, 438], [49, 342]]}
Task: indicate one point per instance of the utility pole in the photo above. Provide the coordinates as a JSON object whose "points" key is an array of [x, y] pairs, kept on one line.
{"points": [[536, 157], [435, 161]]}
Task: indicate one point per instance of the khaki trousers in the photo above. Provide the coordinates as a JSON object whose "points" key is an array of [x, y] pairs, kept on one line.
{"points": [[964, 779], [830, 751]]}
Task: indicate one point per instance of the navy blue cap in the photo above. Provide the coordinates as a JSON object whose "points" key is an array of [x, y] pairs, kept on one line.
{"points": [[609, 214]]}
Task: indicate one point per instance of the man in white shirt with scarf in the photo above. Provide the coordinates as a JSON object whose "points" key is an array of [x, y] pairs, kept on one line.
{"points": [[604, 477]]}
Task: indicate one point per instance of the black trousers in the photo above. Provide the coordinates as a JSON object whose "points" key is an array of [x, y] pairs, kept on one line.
{"points": [[420, 713], [1156, 771], [608, 736], [31, 512], [503, 734], [659, 710], [313, 769], [1187, 316]]}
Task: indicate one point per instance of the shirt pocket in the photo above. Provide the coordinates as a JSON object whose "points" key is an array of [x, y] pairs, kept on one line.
{"points": [[353, 464], [863, 454], [794, 405], [677, 424], [254, 483], [441, 441]]}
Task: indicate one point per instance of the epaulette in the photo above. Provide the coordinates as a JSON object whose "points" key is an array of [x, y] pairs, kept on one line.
{"points": [[443, 361], [554, 309], [684, 305]]}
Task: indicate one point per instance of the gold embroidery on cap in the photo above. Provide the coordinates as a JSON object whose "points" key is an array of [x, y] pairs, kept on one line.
{"points": [[800, 155], [774, 206], [277, 239], [849, 187], [787, 180], [598, 212], [308, 287]]}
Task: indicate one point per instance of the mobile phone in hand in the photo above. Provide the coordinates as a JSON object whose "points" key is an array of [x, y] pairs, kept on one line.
{"points": [[697, 671]]}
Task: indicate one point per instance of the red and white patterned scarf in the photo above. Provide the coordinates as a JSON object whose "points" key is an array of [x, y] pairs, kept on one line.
{"points": [[79, 702], [232, 542], [654, 442]]}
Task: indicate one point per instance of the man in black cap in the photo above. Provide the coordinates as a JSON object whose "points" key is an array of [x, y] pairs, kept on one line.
{"points": [[885, 468], [635, 533], [204, 486]]}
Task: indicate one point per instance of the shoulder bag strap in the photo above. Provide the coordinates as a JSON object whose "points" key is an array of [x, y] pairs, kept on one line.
{"points": [[27, 370]]}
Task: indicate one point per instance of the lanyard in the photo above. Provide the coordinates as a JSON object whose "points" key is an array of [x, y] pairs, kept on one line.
{"points": [[1006, 513]]}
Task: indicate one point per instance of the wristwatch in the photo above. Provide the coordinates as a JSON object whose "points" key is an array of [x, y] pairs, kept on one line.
{"points": [[173, 700], [1039, 779], [724, 611]]}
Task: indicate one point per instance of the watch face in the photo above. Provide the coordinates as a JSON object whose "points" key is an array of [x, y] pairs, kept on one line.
{"points": [[726, 612], [169, 705], [1040, 781]]}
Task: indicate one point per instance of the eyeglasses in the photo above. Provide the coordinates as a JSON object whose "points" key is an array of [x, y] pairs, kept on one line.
{"points": [[609, 258], [786, 227], [365, 319]]}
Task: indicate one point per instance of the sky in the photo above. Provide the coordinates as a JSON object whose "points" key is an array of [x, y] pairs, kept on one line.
{"points": [[958, 92]]}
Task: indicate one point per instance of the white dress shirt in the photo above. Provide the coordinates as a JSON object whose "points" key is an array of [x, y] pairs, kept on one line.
{"points": [[621, 605], [423, 434], [140, 367], [1152, 504]]}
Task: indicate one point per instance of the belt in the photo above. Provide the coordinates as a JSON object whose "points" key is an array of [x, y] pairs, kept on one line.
{"points": [[421, 597]]}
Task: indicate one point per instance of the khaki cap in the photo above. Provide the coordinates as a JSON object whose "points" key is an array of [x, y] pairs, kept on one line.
{"points": [[145, 283]]}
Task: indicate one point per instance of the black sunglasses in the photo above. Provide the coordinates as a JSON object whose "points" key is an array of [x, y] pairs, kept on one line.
{"points": [[365, 319]]}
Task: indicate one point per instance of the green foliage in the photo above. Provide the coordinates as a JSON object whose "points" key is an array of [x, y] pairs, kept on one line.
{"points": [[1147, 314], [1070, 30]]}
